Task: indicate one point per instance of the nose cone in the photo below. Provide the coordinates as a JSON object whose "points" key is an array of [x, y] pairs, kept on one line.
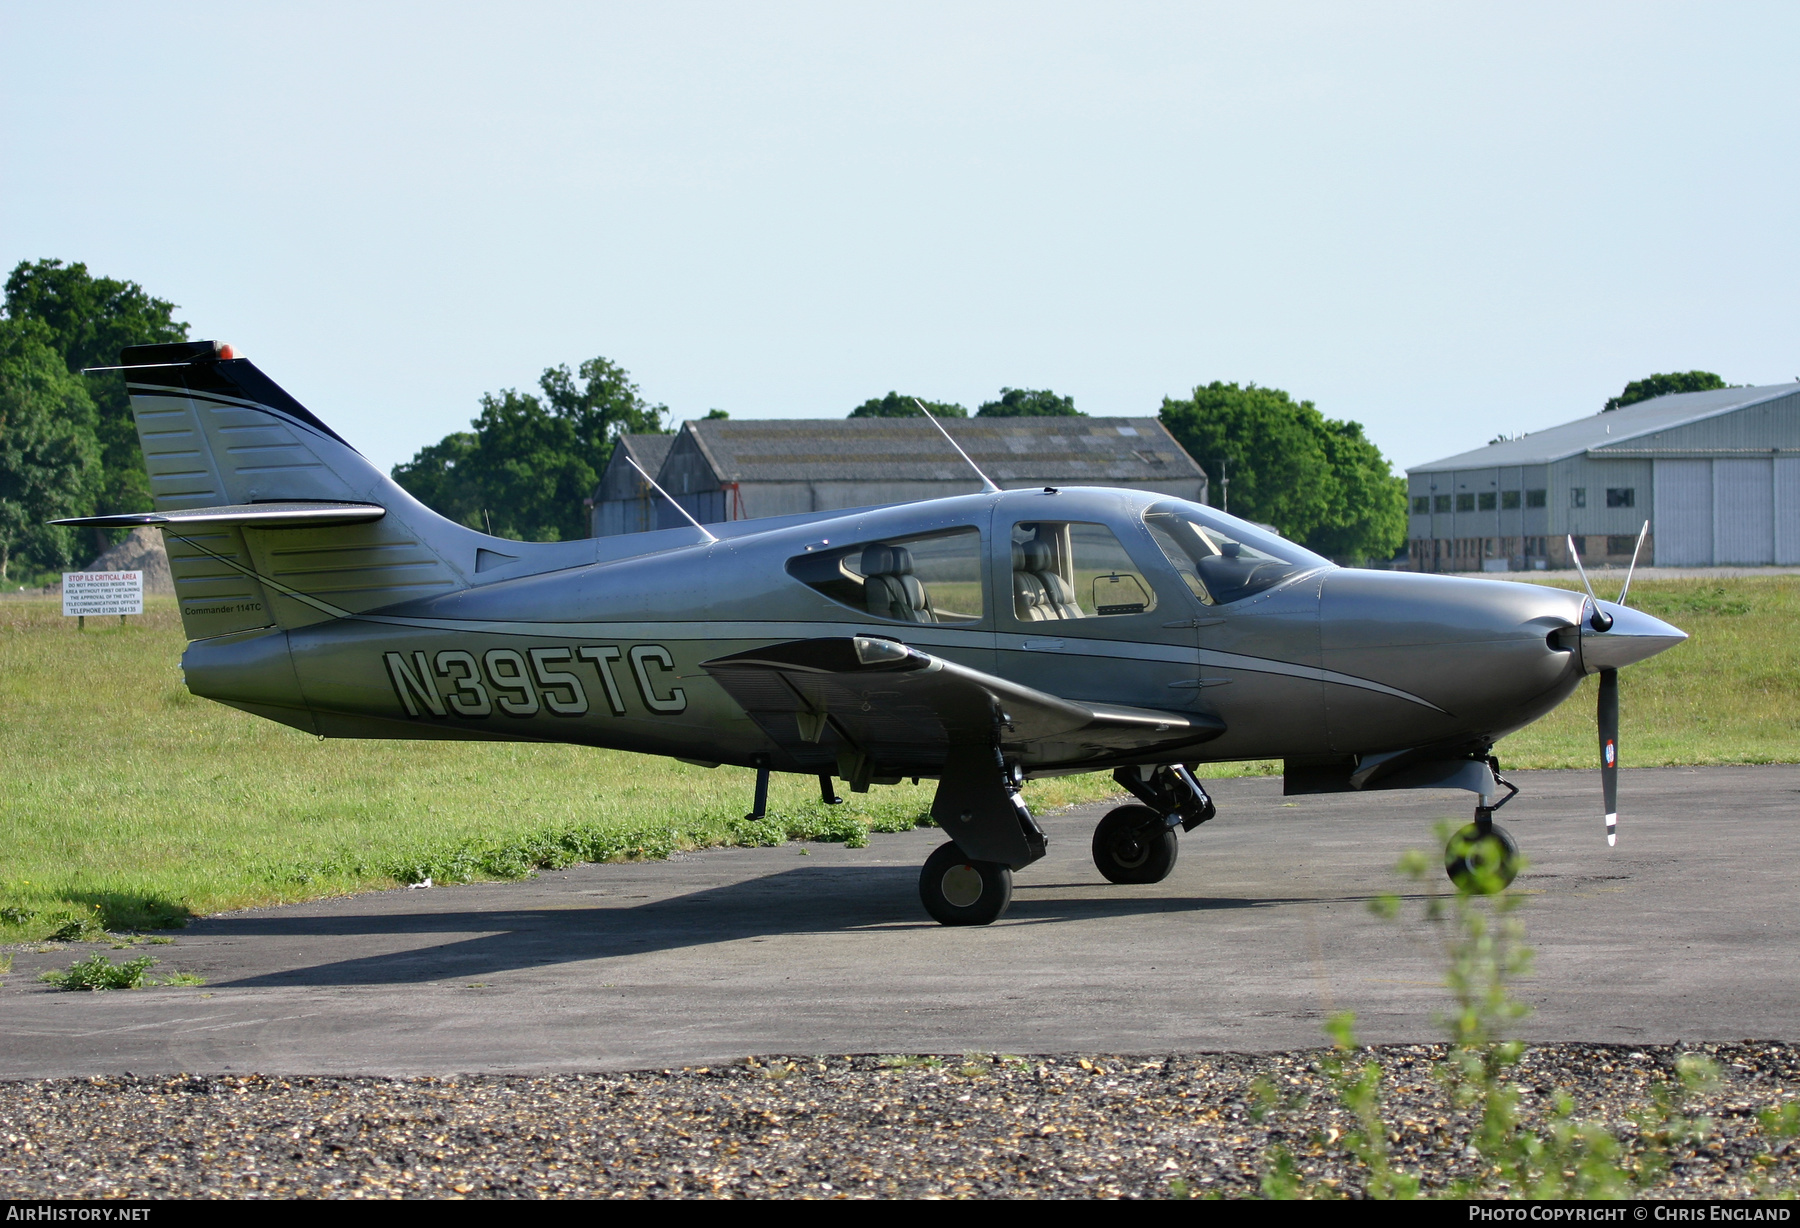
{"points": [[1633, 637]]}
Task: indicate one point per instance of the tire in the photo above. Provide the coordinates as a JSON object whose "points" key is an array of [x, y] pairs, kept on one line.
{"points": [[1134, 844], [957, 890], [1483, 865]]}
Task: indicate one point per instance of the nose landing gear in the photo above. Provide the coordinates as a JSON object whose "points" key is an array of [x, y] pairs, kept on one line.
{"points": [[1483, 858]]}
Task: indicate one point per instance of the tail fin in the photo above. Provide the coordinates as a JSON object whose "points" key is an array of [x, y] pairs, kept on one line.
{"points": [[218, 433]]}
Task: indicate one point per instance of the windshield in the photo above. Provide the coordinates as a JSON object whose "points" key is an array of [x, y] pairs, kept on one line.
{"points": [[1220, 557]]}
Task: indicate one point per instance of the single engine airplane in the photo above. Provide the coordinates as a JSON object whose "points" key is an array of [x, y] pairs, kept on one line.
{"points": [[979, 640]]}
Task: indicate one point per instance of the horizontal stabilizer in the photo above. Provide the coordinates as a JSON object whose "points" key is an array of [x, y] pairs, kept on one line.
{"points": [[305, 515]]}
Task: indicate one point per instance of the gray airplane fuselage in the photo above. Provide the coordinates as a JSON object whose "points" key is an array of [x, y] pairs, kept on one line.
{"points": [[1331, 662]]}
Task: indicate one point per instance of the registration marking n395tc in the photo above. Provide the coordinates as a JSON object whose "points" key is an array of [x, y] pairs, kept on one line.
{"points": [[523, 684]]}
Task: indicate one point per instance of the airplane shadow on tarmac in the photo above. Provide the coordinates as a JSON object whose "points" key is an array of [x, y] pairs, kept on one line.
{"points": [[807, 900]]}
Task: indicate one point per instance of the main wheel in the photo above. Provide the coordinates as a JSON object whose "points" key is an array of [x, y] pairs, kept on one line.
{"points": [[1134, 844], [957, 890], [1482, 864]]}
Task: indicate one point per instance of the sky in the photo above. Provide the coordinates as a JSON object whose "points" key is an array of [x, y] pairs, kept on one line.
{"points": [[1444, 221]]}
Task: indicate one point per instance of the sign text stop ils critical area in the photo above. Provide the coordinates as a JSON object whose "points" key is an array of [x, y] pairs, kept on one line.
{"points": [[102, 592]]}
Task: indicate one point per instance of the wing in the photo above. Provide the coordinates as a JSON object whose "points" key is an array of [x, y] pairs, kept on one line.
{"points": [[896, 711]]}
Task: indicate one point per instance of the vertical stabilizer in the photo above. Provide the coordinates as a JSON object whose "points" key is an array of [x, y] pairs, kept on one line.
{"points": [[216, 431]]}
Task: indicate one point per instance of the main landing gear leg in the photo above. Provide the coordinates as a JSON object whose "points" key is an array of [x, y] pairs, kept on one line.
{"points": [[968, 881], [1483, 858]]}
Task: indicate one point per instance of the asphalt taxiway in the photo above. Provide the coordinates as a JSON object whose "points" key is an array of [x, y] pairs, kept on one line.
{"points": [[1686, 931]]}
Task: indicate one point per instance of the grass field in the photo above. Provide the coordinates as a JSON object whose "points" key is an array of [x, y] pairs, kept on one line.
{"points": [[128, 803]]}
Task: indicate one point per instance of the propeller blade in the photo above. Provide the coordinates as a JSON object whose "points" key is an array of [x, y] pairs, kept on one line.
{"points": [[1609, 751], [1632, 570]]}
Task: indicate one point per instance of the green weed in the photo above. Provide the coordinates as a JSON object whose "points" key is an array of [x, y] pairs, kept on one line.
{"points": [[1561, 1157], [96, 972]]}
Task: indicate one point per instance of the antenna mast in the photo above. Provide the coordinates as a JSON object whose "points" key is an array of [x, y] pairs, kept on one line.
{"points": [[665, 494], [987, 483]]}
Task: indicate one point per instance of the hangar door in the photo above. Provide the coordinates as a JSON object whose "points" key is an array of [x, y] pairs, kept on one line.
{"points": [[1684, 513], [1743, 512], [1787, 510]]}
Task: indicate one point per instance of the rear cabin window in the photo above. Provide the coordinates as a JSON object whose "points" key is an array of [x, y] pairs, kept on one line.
{"points": [[925, 578], [1074, 569]]}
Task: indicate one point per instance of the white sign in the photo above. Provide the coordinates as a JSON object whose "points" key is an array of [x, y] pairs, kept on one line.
{"points": [[103, 592]]}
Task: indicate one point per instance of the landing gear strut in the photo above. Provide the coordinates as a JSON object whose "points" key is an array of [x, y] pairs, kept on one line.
{"points": [[1483, 858]]}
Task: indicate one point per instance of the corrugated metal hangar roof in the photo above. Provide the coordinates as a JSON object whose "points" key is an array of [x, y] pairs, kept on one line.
{"points": [[1609, 429]]}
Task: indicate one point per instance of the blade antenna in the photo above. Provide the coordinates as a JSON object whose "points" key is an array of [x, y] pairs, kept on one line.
{"points": [[1635, 550], [987, 483], [671, 498]]}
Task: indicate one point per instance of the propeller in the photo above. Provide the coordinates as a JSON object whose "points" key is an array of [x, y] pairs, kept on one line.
{"points": [[1608, 715]]}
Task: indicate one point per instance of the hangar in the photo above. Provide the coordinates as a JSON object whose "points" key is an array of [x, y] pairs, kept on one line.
{"points": [[1717, 475], [720, 469]]}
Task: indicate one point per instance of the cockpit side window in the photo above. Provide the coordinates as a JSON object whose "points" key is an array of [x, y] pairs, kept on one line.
{"points": [[924, 578], [1220, 558], [1071, 569]]}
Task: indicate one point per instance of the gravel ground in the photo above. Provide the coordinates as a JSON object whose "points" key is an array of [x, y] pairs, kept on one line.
{"points": [[1100, 1126]]}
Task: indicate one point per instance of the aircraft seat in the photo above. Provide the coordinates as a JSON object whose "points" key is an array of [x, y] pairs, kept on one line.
{"points": [[890, 588], [1039, 591]]}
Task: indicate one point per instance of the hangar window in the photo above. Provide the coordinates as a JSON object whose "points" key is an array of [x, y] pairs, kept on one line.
{"points": [[924, 578], [1421, 504], [1536, 498], [1465, 503], [1577, 496], [1440, 503], [1074, 570], [1621, 496], [1221, 558], [1489, 500], [1509, 500]]}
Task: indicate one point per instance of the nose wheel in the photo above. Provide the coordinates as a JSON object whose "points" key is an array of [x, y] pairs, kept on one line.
{"points": [[1482, 858]]}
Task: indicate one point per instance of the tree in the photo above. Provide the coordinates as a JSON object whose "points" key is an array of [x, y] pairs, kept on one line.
{"points": [[49, 458], [1662, 385], [530, 461], [717, 415], [894, 405], [1366, 518], [89, 320], [1319, 481], [1026, 403]]}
